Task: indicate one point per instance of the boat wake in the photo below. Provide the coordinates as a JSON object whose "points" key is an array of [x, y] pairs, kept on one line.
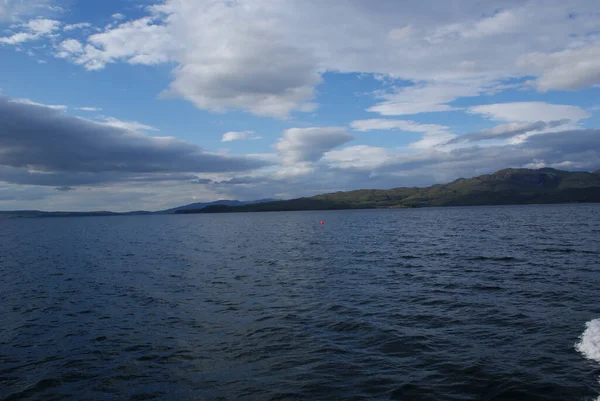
{"points": [[589, 342]]}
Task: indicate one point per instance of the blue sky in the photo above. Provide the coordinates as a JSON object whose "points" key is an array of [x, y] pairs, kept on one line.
{"points": [[153, 104]]}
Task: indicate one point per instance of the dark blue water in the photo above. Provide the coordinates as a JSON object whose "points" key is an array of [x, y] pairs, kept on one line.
{"points": [[482, 303]]}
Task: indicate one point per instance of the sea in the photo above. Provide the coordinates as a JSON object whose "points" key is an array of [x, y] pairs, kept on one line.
{"points": [[457, 303]]}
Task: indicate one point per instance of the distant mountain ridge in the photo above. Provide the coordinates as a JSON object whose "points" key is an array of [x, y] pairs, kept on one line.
{"points": [[202, 205], [504, 187], [194, 206]]}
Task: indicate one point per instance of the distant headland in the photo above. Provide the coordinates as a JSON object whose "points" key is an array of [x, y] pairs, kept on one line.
{"points": [[504, 187]]}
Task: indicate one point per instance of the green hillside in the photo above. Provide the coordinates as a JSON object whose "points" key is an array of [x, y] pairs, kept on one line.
{"points": [[504, 187]]}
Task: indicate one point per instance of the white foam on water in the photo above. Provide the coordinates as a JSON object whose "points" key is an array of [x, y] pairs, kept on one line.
{"points": [[589, 342]]}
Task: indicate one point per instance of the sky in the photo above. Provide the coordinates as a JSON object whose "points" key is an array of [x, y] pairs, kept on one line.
{"points": [[150, 104]]}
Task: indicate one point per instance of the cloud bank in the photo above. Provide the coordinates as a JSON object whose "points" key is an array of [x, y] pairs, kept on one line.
{"points": [[41, 145]]}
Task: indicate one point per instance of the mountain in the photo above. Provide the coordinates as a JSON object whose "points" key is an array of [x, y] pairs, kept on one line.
{"points": [[202, 205], [11, 214], [504, 187]]}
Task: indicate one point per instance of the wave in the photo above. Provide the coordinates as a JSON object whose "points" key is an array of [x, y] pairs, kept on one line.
{"points": [[589, 342]]}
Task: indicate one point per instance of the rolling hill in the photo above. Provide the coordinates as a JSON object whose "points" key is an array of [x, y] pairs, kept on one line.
{"points": [[202, 205], [504, 187]]}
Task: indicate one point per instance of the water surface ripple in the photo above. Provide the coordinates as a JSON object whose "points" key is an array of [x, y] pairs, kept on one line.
{"points": [[482, 303]]}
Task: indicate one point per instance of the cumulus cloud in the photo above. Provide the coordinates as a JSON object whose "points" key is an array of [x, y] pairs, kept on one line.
{"points": [[556, 149], [359, 167], [362, 166], [268, 57], [44, 146], [138, 42], [530, 112], [15, 10], [569, 69], [243, 75], [42, 26], [385, 168], [118, 16], [69, 47], [501, 23], [352, 167], [33, 30], [239, 136], [553, 148], [299, 145]]}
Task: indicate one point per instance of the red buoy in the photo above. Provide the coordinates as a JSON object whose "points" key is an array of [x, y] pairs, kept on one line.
{"points": [[322, 222]]}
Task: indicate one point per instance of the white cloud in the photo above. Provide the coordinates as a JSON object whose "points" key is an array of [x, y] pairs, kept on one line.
{"points": [[31, 102], [16, 10], [18, 38], [422, 98], [400, 125], [511, 130], [115, 197], [69, 47], [143, 171], [88, 108], [360, 156], [432, 140], [118, 16], [347, 168], [80, 25], [434, 134], [43, 26], [400, 33], [298, 169], [137, 42], [529, 112], [502, 23], [239, 136], [268, 58], [299, 145], [569, 69], [564, 165], [272, 65], [552, 148], [34, 30], [127, 125]]}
